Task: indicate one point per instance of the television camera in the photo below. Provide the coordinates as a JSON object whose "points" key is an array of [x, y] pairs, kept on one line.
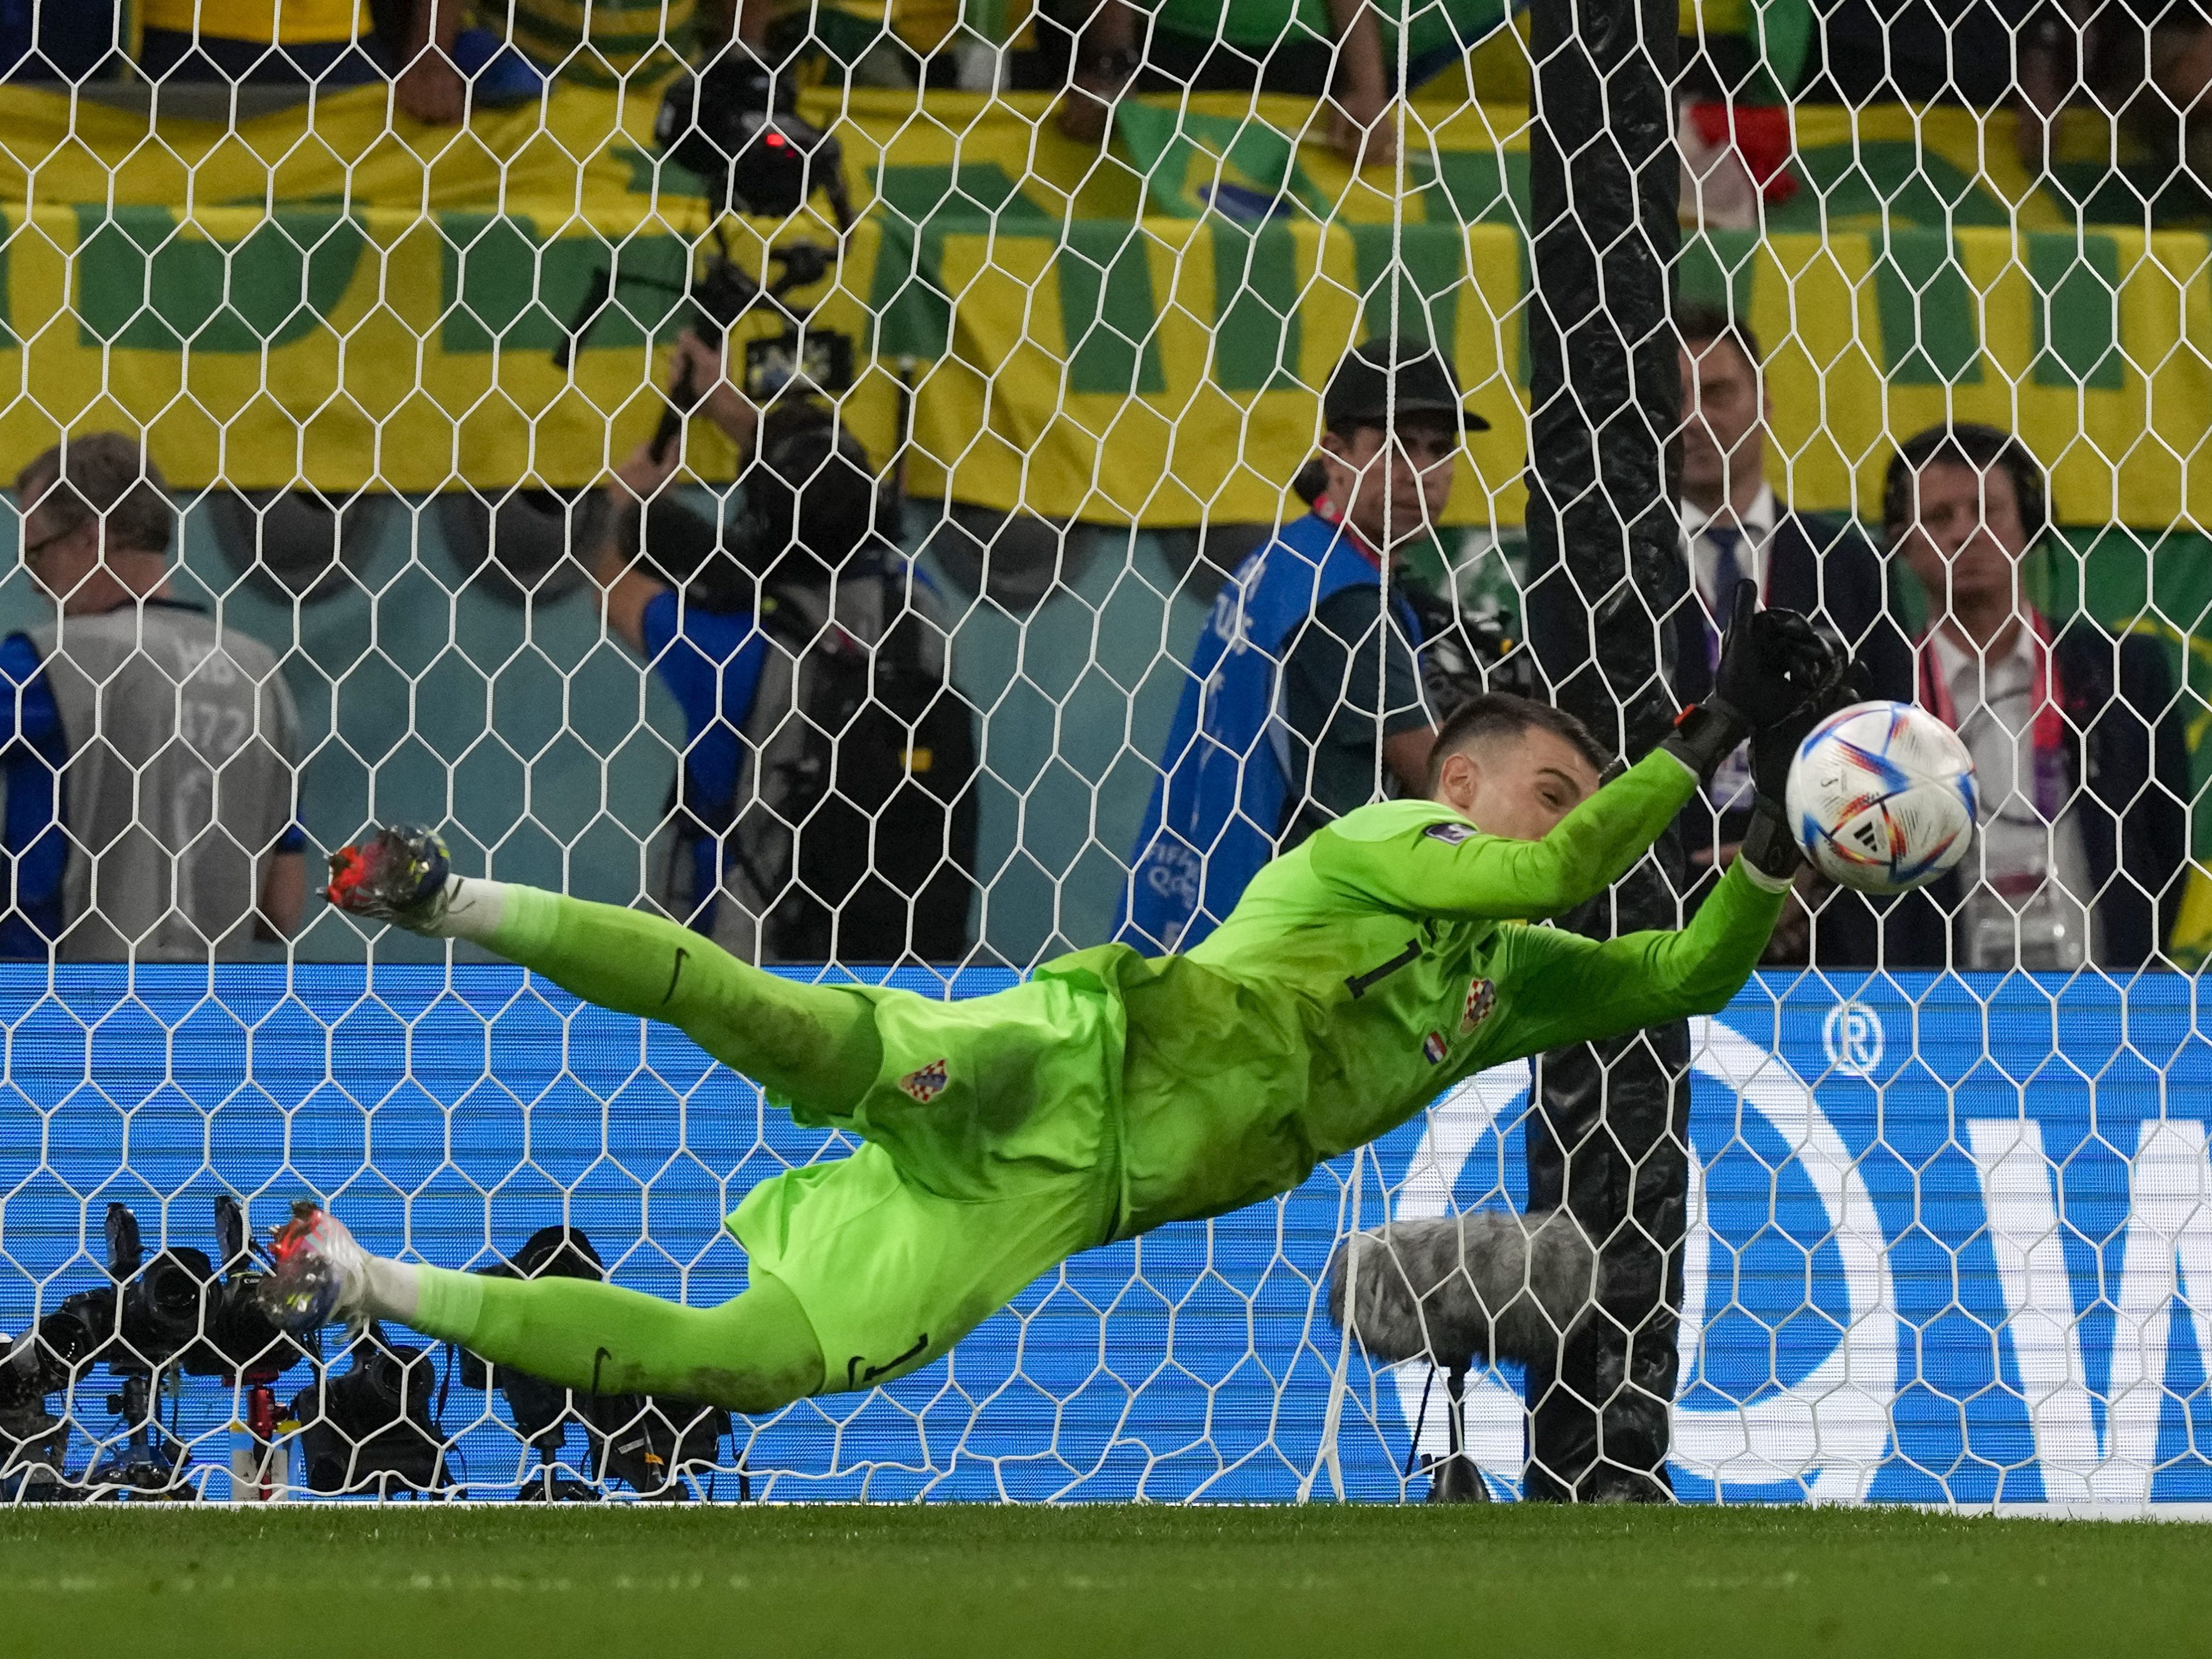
{"points": [[374, 1428], [650, 1445], [737, 127]]}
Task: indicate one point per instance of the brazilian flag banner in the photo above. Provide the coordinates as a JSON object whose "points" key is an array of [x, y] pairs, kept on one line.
{"points": [[342, 301]]}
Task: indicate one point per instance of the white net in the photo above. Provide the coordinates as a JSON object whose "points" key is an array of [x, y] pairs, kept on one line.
{"points": [[388, 301]]}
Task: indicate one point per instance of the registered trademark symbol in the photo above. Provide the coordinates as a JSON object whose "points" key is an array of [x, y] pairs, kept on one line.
{"points": [[1853, 1037]]}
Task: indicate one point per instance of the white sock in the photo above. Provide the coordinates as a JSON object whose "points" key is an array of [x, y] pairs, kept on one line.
{"points": [[474, 908], [390, 1290]]}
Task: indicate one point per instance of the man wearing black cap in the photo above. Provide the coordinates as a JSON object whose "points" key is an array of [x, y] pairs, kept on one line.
{"points": [[1304, 697]]}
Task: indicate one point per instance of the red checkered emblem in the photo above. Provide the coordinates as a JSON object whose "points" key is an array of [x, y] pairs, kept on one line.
{"points": [[1481, 998], [926, 1084]]}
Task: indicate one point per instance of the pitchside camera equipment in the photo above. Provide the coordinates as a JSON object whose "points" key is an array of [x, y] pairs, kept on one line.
{"points": [[1459, 1290], [33, 1444], [175, 1313], [735, 124], [649, 1444], [373, 1427], [1463, 656], [176, 1309]]}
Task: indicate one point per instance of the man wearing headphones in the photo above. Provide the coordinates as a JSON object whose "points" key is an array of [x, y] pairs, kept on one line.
{"points": [[824, 807], [2078, 740]]}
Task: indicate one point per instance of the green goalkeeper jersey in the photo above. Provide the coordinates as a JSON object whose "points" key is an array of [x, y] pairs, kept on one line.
{"points": [[1386, 957]]}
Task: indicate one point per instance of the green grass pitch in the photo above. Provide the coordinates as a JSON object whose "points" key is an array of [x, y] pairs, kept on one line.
{"points": [[411, 1582]]}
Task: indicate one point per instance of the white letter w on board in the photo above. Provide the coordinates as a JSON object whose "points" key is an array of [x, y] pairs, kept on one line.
{"points": [[2168, 1253]]}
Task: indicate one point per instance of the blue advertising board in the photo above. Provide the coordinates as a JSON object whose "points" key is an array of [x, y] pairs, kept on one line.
{"points": [[1951, 1239]]}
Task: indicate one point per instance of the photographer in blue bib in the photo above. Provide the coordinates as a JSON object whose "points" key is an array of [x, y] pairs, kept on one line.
{"points": [[824, 807], [1306, 699]]}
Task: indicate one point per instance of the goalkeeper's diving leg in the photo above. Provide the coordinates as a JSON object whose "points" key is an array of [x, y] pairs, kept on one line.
{"points": [[802, 1041], [986, 1160], [754, 1353]]}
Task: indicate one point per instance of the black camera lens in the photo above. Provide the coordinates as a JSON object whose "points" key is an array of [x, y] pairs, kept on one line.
{"points": [[735, 127], [162, 1306], [77, 1329]]}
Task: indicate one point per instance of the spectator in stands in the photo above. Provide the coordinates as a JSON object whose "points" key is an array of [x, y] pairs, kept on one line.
{"points": [[328, 44], [150, 754], [1304, 698], [438, 69], [64, 43], [1335, 49], [825, 806], [1734, 528], [2149, 61], [2078, 739], [607, 43]]}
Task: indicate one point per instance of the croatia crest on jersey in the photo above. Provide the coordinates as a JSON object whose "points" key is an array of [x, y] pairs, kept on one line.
{"points": [[1481, 998], [926, 1083]]}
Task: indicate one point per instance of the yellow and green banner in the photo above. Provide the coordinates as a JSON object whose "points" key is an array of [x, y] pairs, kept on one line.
{"points": [[346, 300]]}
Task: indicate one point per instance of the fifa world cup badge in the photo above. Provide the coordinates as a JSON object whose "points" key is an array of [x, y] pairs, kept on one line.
{"points": [[1481, 998], [926, 1084]]}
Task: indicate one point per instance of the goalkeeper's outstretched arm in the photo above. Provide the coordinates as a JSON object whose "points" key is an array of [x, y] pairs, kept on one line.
{"points": [[1572, 989], [1477, 877], [1770, 660]]}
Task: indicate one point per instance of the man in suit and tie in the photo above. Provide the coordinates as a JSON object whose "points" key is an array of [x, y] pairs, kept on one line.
{"points": [[2080, 746], [1735, 529]]}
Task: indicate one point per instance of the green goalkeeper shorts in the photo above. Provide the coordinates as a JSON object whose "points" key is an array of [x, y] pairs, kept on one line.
{"points": [[990, 1155]]}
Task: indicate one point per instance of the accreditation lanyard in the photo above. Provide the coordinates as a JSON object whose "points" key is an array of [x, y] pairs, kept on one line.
{"points": [[1328, 512], [2048, 731]]}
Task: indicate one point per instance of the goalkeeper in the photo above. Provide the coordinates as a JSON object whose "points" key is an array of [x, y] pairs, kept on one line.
{"points": [[1361, 975]]}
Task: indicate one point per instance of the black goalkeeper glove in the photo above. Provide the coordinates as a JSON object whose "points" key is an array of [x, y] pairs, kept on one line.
{"points": [[1769, 846], [1771, 661], [1774, 747]]}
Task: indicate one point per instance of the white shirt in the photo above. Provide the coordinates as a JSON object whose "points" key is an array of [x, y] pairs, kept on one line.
{"points": [[2023, 856]]}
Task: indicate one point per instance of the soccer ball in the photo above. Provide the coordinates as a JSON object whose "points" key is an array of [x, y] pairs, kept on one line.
{"points": [[1882, 797]]}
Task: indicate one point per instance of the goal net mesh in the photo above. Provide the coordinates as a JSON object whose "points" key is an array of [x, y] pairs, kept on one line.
{"points": [[1946, 1236]]}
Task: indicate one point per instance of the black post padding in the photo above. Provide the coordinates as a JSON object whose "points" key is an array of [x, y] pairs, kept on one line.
{"points": [[1610, 1141], [1606, 574]]}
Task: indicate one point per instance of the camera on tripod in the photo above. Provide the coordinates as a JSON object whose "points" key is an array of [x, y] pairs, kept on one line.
{"points": [[33, 1444], [737, 127], [653, 1445], [374, 1428]]}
